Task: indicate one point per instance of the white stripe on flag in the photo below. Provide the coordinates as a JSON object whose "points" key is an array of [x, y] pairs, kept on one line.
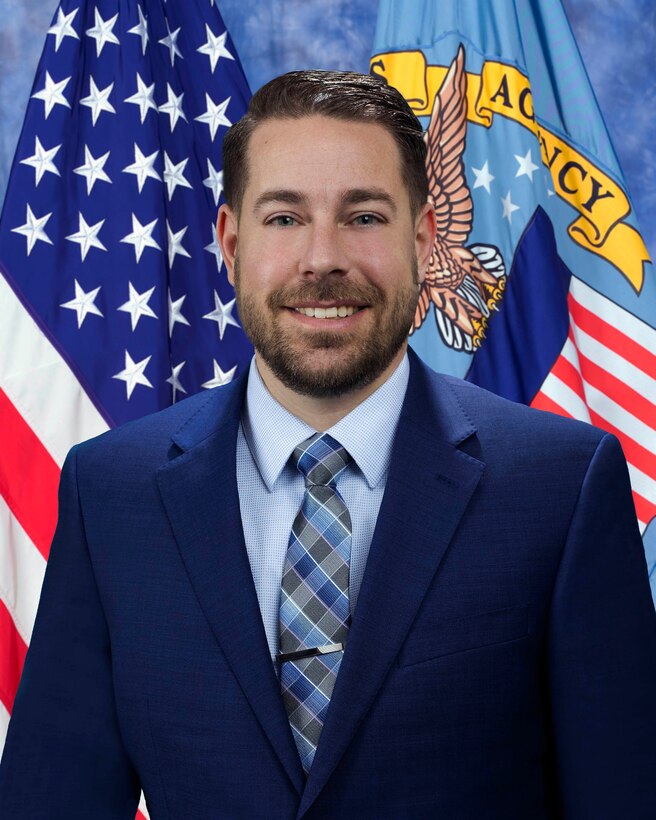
{"points": [[617, 416], [599, 402], [142, 806], [642, 483], [614, 364], [613, 314], [47, 395], [566, 398], [22, 568], [4, 725]]}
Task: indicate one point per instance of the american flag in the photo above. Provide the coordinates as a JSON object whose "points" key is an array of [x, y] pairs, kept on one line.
{"points": [[606, 375], [114, 301]]}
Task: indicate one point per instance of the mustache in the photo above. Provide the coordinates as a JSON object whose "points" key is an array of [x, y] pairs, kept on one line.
{"points": [[327, 291]]}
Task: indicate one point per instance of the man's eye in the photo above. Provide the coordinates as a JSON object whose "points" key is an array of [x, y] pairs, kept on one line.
{"points": [[366, 219], [283, 221]]}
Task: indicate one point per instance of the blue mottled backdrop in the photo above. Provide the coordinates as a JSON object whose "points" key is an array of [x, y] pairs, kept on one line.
{"points": [[273, 36]]}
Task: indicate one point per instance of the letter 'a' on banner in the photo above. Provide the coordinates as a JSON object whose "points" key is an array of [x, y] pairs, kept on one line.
{"points": [[553, 302], [114, 301]]}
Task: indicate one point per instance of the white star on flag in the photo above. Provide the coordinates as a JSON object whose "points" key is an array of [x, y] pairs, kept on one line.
{"points": [[214, 181], [33, 229], [133, 373], [175, 313], [102, 31], [142, 167], [214, 247], [42, 161], [174, 379], [92, 169], [174, 175], [63, 27], [171, 42], [509, 207], [483, 177], [215, 47], [87, 237], [526, 165], [175, 243], [215, 115], [141, 29], [137, 305], [222, 314], [52, 94], [141, 237], [83, 303], [173, 107], [143, 97], [220, 378], [98, 100]]}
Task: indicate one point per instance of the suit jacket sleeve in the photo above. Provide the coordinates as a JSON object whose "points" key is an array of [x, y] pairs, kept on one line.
{"points": [[602, 653], [64, 757]]}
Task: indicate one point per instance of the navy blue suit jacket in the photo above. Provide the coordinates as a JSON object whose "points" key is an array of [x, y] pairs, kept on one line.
{"points": [[501, 661]]}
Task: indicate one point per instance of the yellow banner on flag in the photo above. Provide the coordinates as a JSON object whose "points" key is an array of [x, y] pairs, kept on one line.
{"points": [[503, 89]]}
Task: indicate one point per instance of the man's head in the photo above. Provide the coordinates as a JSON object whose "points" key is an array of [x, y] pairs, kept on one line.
{"points": [[341, 95], [326, 234]]}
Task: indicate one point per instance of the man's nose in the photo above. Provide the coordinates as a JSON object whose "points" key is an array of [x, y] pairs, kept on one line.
{"points": [[323, 251]]}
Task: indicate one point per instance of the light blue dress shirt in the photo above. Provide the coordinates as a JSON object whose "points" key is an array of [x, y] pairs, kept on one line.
{"points": [[271, 488]]}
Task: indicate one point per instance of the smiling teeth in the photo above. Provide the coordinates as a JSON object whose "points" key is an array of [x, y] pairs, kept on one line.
{"points": [[328, 313]]}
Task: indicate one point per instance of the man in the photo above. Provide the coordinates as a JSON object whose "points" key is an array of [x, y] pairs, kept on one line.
{"points": [[438, 609]]}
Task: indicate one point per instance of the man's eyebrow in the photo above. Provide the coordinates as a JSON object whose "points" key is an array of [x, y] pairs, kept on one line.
{"points": [[354, 196], [357, 196], [282, 195]]}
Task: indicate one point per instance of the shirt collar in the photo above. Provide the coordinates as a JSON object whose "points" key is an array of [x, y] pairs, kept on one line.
{"points": [[367, 432]]}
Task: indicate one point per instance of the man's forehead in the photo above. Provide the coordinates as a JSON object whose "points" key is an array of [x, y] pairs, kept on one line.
{"points": [[285, 152], [294, 128]]}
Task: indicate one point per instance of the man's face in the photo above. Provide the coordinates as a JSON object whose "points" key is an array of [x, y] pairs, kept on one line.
{"points": [[324, 255]]}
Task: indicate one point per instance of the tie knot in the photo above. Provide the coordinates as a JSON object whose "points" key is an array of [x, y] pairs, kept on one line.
{"points": [[321, 459]]}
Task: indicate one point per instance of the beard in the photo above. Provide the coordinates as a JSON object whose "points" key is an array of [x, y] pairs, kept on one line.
{"points": [[323, 363]]}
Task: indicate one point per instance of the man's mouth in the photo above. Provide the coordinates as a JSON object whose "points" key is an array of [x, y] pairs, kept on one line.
{"points": [[340, 312]]}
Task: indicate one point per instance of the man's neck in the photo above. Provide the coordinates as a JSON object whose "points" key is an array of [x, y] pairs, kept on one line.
{"points": [[322, 413]]}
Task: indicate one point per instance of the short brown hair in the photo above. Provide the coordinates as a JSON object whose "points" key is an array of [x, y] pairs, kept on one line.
{"points": [[344, 95]]}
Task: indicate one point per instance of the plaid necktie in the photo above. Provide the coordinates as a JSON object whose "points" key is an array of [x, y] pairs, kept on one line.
{"points": [[314, 596]]}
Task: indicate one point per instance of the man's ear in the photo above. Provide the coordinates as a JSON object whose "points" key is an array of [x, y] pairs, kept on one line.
{"points": [[425, 230], [226, 232]]}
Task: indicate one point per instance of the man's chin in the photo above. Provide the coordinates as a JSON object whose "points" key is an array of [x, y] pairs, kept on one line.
{"points": [[327, 371]]}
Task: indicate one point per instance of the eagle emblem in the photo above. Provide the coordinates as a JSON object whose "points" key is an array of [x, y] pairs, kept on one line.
{"points": [[464, 284]]}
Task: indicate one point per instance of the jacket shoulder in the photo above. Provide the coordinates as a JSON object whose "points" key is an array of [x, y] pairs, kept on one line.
{"points": [[494, 415], [148, 440]]}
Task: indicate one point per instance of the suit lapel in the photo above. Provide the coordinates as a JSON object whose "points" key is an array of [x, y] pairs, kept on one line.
{"points": [[199, 491], [428, 488]]}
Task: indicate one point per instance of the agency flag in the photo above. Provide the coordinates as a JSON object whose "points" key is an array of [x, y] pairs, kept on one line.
{"points": [[114, 301], [540, 286]]}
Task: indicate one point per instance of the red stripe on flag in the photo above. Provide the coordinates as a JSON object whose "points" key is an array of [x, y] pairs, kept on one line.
{"points": [[617, 390], [635, 453], [612, 338], [29, 477], [542, 402], [140, 816], [569, 375], [12, 657]]}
